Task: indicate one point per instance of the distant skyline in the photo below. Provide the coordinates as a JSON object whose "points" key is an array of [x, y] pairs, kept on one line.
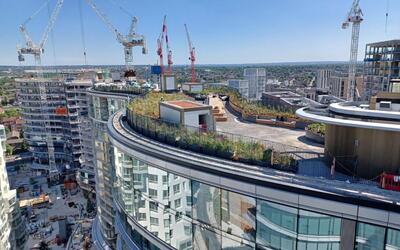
{"points": [[223, 32]]}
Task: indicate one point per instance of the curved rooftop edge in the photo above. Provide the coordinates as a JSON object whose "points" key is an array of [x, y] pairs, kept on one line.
{"points": [[353, 109], [318, 117], [320, 195]]}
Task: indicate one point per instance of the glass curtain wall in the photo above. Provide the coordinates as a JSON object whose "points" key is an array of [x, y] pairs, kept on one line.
{"points": [[188, 214]]}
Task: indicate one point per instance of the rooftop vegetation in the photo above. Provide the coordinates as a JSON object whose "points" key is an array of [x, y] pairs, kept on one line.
{"points": [[149, 105], [228, 146], [317, 128], [248, 108]]}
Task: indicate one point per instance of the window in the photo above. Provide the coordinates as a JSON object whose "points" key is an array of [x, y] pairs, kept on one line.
{"points": [[166, 223], [392, 239], [167, 236], [177, 203], [153, 206], [176, 188], [165, 179], [142, 216], [178, 217], [207, 198], [273, 220], [189, 201], [165, 194], [238, 214], [152, 193], [153, 221], [188, 230], [369, 236], [153, 178]]}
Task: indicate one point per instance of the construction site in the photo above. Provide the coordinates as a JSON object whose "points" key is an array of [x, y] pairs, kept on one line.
{"points": [[92, 185]]}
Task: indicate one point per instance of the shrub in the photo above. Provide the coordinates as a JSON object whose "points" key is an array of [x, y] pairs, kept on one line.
{"points": [[317, 128]]}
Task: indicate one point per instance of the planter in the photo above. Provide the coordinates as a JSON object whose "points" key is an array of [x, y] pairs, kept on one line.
{"points": [[286, 168], [315, 137]]}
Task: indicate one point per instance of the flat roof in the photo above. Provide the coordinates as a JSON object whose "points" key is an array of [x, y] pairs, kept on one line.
{"points": [[185, 105]]}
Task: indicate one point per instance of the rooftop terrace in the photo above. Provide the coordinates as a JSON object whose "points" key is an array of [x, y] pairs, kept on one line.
{"points": [[305, 164], [312, 173]]}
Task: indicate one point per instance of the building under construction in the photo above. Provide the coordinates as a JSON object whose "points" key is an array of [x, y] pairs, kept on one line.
{"points": [[52, 120], [381, 66]]}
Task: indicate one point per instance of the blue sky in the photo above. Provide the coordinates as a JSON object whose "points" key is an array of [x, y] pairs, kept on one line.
{"points": [[223, 31]]}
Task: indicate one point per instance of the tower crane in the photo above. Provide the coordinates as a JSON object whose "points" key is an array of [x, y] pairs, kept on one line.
{"points": [[160, 45], [37, 50], [192, 53], [128, 42], [355, 17]]}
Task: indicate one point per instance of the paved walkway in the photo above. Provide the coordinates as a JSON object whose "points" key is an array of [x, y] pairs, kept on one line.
{"points": [[290, 137]]}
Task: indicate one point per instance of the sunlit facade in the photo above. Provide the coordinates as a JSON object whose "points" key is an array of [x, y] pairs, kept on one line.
{"points": [[166, 198]]}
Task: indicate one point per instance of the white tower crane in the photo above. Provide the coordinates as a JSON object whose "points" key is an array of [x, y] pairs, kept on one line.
{"points": [[355, 17], [37, 50], [129, 41]]}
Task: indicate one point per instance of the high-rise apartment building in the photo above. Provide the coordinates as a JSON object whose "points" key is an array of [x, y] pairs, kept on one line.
{"points": [[381, 66], [323, 77], [59, 112], [257, 78], [169, 194], [242, 86], [12, 225], [104, 100]]}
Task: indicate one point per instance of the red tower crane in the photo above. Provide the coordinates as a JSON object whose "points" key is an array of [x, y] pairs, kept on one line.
{"points": [[160, 43], [192, 53]]}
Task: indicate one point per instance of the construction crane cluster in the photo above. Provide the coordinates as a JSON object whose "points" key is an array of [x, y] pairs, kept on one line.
{"points": [[160, 46]]}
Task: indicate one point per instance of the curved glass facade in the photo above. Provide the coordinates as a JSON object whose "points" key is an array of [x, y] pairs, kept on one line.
{"points": [[187, 214], [101, 106]]}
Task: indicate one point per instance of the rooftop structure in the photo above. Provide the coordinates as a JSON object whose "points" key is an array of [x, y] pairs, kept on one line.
{"points": [[178, 188], [286, 100], [362, 137], [381, 66], [187, 113]]}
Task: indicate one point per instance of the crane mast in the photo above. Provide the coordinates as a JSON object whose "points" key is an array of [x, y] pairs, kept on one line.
{"points": [[192, 54], [160, 45], [355, 17], [128, 42], [37, 50]]}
